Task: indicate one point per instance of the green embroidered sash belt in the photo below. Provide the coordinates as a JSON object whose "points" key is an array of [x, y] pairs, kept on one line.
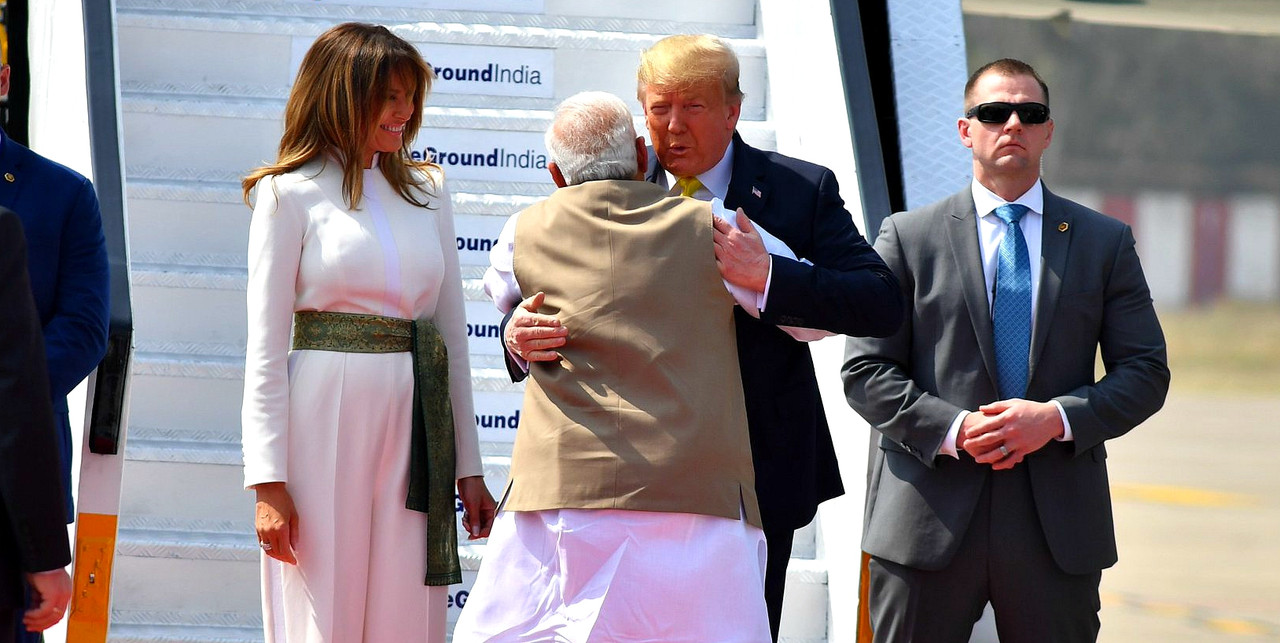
{"points": [[431, 463]]}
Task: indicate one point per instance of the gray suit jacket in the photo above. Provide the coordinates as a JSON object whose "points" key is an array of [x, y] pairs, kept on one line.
{"points": [[911, 385]]}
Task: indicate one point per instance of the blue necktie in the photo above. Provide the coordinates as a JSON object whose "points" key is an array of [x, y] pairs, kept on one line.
{"points": [[1011, 314]]}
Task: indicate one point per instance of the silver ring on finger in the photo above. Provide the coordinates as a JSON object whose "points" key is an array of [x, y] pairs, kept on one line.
{"points": [[266, 546], [1003, 451]]}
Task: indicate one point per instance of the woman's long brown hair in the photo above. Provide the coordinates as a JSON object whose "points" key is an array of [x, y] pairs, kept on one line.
{"points": [[336, 102]]}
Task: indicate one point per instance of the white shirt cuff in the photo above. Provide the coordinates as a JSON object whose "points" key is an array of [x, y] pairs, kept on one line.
{"points": [[1066, 424], [763, 298], [953, 434]]}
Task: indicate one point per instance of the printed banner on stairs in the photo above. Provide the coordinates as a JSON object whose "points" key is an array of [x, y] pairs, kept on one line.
{"points": [[491, 71], [485, 155], [475, 70]]}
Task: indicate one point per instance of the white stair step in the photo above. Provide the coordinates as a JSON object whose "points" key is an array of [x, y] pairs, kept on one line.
{"points": [[730, 17], [185, 491], [804, 543], [200, 539], [200, 387], [206, 303], [238, 137], [188, 225], [173, 196], [259, 51], [804, 607], [149, 626], [197, 218], [185, 585], [217, 272], [189, 303], [151, 444], [171, 388], [204, 216], [177, 183], [222, 362], [205, 539]]}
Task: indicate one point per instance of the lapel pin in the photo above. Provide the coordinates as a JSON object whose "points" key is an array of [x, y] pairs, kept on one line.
{"points": [[755, 192], [8, 176], [1062, 227]]}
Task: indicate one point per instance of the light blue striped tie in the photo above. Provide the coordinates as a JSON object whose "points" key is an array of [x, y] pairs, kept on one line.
{"points": [[1011, 314]]}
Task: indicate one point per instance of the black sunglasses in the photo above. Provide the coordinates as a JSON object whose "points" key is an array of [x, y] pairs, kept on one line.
{"points": [[1028, 113]]}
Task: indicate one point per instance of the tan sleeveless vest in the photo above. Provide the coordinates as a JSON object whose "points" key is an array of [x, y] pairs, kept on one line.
{"points": [[645, 411]]}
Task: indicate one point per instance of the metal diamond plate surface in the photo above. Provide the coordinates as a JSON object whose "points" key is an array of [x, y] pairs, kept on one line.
{"points": [[929, 73]]}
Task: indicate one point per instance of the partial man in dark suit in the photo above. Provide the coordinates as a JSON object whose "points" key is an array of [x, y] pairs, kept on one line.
{"points": [[990, 481], [688, 86], [68, 269], [33, 535]]}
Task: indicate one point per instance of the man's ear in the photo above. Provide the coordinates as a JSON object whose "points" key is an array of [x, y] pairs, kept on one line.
{"points": [[963, 125], [642, 158], [4, 81], [556, 176]]}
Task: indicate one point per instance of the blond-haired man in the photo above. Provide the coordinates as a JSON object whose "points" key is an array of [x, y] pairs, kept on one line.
{"points": [[688, 87]]}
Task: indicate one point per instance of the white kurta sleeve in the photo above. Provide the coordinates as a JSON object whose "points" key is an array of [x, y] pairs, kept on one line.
{"points": [[500, 278], [275, 247], [451, 320]]}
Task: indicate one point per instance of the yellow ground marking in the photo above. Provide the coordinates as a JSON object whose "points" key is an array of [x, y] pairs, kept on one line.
{"points": [[1195, 615], [1234, 626], [1184, 496]]}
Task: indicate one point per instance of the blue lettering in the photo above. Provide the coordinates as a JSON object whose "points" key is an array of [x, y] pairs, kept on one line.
{"points": [[499, 421], [484, 330], [476, 245], [491, 73]]}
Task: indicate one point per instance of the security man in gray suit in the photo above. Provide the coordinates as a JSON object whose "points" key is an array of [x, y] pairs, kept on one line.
{"points": [[990, 480]]}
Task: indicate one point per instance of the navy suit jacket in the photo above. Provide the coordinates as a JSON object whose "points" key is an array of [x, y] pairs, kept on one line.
{"points": [[913, 384], [67, 263], [849, 290], [33, 533]]}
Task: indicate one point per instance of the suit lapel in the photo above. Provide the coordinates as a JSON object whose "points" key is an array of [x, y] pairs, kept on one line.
{"points": [[10, 167], [961, 227], [655, 173], [1055, 240], [747, 186]]}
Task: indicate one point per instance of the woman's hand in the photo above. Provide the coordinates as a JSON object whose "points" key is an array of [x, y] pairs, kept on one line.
{"points": [[477, 506], [276, 522]]}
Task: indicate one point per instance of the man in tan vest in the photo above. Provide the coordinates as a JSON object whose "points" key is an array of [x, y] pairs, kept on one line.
{"points": [[630, 513]]}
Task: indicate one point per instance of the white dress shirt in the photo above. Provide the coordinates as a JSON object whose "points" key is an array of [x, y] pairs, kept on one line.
{"points": [[991, 231]]}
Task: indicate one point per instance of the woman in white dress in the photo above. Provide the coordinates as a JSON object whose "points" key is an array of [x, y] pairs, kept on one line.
{"points": [[352, 437]]}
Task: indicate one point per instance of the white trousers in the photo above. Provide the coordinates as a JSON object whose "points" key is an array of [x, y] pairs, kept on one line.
{"points": [[588, 575]]}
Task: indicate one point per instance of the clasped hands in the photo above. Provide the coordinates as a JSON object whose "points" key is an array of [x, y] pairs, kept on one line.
{"points": [[1021, 427]]}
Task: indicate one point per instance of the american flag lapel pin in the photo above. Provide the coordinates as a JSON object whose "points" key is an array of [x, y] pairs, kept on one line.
{"points": [[755, 191]]}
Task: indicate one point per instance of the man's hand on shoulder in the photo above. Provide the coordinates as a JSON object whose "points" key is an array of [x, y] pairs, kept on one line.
{"points": [[533, 336], [740, 253], [1003, 433]]}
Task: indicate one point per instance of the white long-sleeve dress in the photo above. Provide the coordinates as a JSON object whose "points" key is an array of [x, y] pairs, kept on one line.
{"points": [[335, 427]]}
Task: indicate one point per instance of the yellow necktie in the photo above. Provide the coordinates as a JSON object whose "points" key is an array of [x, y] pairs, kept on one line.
{"points": [[689, 185]]}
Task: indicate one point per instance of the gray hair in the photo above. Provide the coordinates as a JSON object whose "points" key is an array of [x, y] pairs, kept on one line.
{"points": [[593, 138]]}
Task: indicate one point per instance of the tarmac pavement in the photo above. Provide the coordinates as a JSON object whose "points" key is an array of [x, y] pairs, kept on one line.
{"points": [[1196, 492], [1196, 495]]}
